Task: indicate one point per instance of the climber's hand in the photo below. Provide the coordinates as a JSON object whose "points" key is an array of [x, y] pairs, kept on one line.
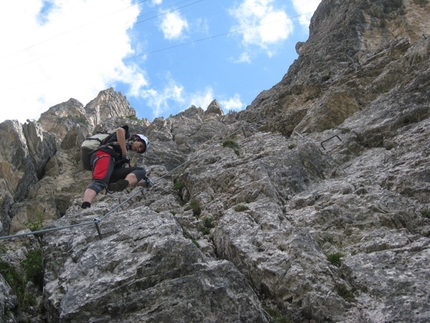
{"points": [[122, 162]]}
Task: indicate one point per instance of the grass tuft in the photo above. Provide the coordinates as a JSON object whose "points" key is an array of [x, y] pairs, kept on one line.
{"points": [[335, 258]]}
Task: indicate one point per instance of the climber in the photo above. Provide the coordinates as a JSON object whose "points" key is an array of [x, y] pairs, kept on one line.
{"points": [[109, 161]]}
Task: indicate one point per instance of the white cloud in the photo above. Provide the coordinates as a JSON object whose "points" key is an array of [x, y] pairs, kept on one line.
{"points": [[174, 95], [260, 24], [202, 99], [233, 103], [133, 73], [159, 101], [306, 9], [71, 49], [244, 58], [173, 25], [269, 34]]}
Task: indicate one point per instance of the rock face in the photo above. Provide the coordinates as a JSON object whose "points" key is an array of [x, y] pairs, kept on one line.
{"points": [[357, 53], [312, 205], [161, 276], [25, 150]]}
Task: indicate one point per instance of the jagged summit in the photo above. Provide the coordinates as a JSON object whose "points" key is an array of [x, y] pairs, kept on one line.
{"points": [[357, 54], [312, 205], [214, 108]]}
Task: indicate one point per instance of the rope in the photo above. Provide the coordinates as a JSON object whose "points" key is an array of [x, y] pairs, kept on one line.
{"points": [[97, 221], [121, 204], [47, 230]]}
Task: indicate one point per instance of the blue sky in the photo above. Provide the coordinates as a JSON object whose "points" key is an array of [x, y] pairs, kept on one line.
{"points": [[163, 55]]}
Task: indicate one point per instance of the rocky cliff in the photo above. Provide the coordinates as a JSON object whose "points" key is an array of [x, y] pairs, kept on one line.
{"points": [[312, 205]]}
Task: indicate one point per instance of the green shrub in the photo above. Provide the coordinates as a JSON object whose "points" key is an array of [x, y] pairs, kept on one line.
{"points": [[14, 279], [132, 117], [241, 208], [326, 77], [196, 243], [37, 224], [82, 119], [344, 130], [425, 213], [389, 146], [195, 206], [276, 316], [178, 185], [208, 223], [231, 143], [344, 292], [335, 258], [33, 266], [33, 271]]}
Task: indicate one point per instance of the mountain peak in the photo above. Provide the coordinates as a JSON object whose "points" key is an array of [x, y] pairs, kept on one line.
{"points": [[311, 205]]}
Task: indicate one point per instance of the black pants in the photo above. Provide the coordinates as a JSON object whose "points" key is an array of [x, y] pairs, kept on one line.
{"points": [[104, 172], [121, 173]]}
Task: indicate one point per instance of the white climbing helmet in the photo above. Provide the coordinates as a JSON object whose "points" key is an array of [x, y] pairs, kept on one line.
{"points": [[142, 138]]}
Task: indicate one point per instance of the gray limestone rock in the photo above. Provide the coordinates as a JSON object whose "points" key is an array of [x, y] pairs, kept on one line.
{"points": [[143, 270], [312, 205]]}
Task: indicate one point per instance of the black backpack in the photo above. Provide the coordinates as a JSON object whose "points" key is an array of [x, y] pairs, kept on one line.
{"points": [[92, 143]]}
